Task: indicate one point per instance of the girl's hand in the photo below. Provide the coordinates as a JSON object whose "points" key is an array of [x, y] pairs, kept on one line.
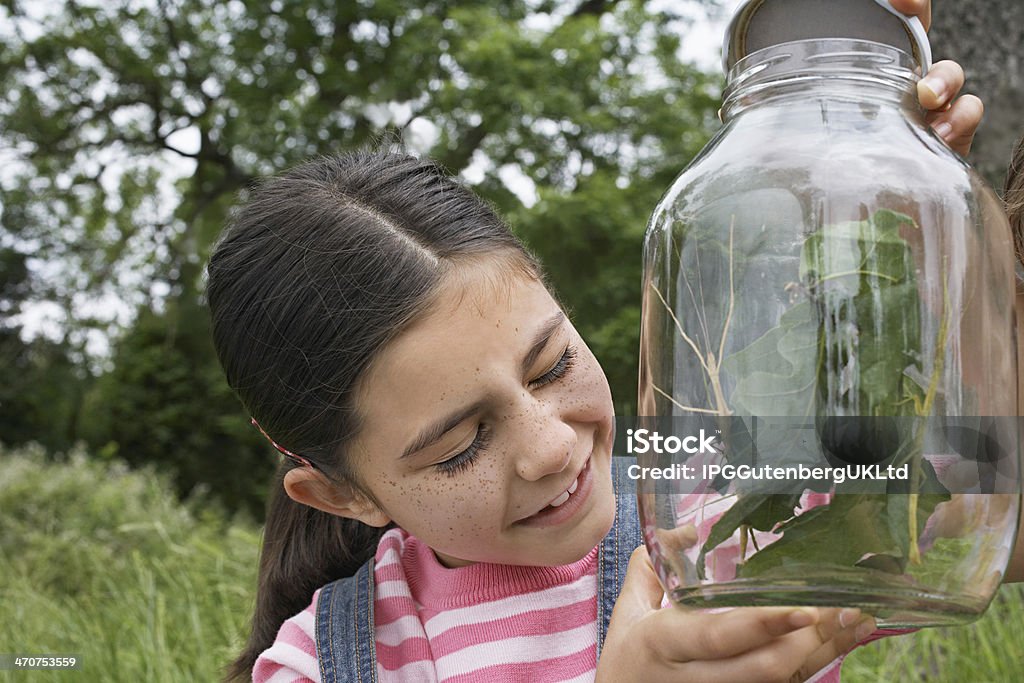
{"points": [[765, 644], [955, 119]]}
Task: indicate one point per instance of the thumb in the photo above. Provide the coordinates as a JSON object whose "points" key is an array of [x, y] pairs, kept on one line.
{"points": [[641, 591]]}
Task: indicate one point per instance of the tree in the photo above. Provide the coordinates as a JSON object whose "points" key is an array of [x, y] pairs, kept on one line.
{"points": [[40, 385], [586, 101], [165, 402]]}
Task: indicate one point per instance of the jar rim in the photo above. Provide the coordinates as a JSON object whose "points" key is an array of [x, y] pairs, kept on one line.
{"points": [[831, 60], [821, 51]]}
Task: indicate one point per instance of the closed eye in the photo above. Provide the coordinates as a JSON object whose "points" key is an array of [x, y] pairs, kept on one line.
{"points": [[465, 459], [559, 370]]}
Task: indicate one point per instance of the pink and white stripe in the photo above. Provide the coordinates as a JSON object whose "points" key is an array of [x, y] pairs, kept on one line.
{"points": [[481, 622], [292, 657]]}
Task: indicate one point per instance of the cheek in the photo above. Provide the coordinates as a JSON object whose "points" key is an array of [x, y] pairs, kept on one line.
{"points": [[587, 388], [435, 506]]}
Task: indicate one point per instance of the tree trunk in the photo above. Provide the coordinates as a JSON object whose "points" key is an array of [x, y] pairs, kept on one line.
{"points": [[985, 37]]}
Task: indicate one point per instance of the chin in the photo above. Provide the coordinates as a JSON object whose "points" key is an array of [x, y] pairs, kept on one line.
{"points": [[601, 517]]}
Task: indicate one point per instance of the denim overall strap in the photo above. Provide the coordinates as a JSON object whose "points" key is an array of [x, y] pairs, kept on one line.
{"points": [[613, 555], [345, 638]]}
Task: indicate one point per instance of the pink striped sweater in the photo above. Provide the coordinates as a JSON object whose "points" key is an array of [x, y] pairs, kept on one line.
{"points": [[483, 622]]}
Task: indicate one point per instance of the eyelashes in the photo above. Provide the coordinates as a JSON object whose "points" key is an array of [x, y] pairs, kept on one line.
{"points": [[465, 459], [560, 369]]}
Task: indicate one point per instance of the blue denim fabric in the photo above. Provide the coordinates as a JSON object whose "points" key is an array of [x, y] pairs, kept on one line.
{"points": [[344, 612], [344, 629], [613, 555]]}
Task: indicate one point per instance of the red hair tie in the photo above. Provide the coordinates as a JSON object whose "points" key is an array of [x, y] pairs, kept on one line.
{"points": [[284, 451]]}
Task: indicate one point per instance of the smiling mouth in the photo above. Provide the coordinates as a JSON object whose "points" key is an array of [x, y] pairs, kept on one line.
{"points": [[564, 496], [564, 504]]}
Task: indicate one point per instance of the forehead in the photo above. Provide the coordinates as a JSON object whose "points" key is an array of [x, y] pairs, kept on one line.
{"points": [[480, 324]]}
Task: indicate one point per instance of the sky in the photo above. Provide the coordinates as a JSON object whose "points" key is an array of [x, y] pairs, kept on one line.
{"points": [[701, 43]]}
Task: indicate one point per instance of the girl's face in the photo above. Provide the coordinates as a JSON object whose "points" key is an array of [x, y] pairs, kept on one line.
{"points": [[479, 417]]}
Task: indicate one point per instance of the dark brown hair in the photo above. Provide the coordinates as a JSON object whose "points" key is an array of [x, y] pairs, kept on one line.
{"points": [[313, 276], [1013, 196]]}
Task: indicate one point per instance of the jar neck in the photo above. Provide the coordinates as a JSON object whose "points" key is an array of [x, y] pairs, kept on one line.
{"points": [[839, 68]]}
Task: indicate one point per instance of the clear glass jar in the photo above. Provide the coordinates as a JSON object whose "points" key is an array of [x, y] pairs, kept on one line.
{"points": [[828, 285]]}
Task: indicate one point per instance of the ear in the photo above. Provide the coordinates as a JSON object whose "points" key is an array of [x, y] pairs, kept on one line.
{"points": [[309, 487]]}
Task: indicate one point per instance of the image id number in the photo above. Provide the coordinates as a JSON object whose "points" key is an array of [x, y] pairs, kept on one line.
{"points": [[15, 662]]}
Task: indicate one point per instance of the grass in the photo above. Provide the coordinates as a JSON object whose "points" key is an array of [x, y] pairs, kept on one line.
{"points": [[987, 651], [105, 564]]}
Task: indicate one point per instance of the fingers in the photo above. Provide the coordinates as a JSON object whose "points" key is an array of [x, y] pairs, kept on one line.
{"points": [[958, 125], [855, 629], [798, 655], [954, 119], [940, 85], [727, 634], [641, 591], [916, 8], [679, 538]]}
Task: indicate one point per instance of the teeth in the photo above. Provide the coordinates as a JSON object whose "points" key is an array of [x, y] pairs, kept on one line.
{"points": [[561, 499], [565, 494]]}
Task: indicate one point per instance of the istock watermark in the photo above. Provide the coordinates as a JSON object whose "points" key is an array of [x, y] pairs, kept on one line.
{"points": [[697, 454], [643, 441]]}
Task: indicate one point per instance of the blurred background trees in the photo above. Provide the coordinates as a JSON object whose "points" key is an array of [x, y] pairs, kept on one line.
{"points": [[986, 39], [128, 129], [571, 118]]}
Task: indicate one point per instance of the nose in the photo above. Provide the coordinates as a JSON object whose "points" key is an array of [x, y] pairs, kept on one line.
{"points": [[547, 444]]}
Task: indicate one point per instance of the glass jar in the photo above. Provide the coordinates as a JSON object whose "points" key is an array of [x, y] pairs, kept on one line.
{"points": [[828, 333]]}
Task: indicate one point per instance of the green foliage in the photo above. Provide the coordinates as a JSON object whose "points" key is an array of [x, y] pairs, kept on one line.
{"points": [[986, 650], [873, 525], [861, 278], [166, 404], [106, 564], [773, 375], [591, 104], [41, 390], [844, 350], [40, 385]]}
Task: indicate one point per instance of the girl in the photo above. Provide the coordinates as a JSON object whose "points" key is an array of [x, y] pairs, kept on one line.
{"points": [[445, 511], [449, 440]]}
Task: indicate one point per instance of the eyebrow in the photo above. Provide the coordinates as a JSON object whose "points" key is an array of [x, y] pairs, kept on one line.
{"points": [[543, 336], [438, 429]]}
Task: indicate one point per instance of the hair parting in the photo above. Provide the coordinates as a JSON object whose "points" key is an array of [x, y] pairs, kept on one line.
{"points": [[313, 276]]}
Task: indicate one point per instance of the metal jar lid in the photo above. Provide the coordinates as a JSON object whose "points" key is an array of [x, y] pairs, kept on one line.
{"points": [[761, 23]]}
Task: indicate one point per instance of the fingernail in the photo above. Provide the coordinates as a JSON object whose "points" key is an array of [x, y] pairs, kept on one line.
{"points": [[848, 616], [864, 629], [802, 617], [943, 129], [936, 86]]}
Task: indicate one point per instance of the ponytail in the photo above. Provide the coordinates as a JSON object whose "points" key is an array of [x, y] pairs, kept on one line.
{"points": [[311, 279], [303, 550]]}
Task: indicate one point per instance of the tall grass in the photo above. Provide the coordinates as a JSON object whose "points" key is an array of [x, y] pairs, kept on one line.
{"points": [[991, 650], [104, 563]]}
